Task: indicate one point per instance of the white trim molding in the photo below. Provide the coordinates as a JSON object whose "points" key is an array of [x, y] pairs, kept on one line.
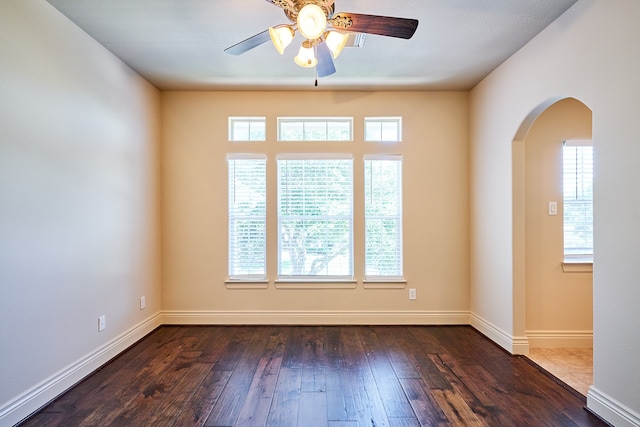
{"points": [[33, 399], [611, 410], [320, 317], [560, 339], [513, 344]]}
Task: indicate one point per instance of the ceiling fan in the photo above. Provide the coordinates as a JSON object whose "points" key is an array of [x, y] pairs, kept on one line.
{"points": [[325, 32]]}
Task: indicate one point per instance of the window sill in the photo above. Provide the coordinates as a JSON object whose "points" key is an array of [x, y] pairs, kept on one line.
{"points": [[246, 284], [384, 284], [315, 284], [578, 265]]}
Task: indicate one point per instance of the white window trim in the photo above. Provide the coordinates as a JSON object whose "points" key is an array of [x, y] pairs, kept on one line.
{"points": [[253, 119], [392, 281], [315, 119], [329, 281], [387, 119], [241, 281], [577, 263]]}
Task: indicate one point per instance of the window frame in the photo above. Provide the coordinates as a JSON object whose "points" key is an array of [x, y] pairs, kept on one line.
{"points": [[315, 121], [586, 256], [398, 217], [381, 120], [349, 217], [231, 187], [249, 120]]}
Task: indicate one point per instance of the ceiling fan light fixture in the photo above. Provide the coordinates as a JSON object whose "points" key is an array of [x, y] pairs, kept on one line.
{"points": [[281, 37], [306, 57], [335, 42], [311, 21]]}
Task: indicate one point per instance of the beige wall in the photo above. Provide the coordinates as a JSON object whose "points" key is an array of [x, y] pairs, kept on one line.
{"points": [[79, 139], [559, 305], [589, 53], [194, 182]]}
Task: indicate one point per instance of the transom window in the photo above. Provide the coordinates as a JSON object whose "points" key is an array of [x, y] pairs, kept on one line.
{"points": [[247, 129], [315, 128], [383, 129], [577, 177]]}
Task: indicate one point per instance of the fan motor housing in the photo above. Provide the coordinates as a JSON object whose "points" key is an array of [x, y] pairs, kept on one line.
{"points": [[292, 7]]}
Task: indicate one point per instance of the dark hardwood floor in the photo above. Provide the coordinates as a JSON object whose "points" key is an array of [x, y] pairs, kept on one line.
{"points": [[334, 376]]}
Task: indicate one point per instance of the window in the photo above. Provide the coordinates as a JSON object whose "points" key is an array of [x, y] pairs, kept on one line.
{"points": [[315, 129], [577, 177], [247, 216], [247, 129], [383, 217], [383, 129], [315, 216]]}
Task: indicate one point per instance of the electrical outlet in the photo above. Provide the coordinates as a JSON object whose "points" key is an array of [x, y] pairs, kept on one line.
{"points": [[143, 302], [412, 293], [102, 323]]}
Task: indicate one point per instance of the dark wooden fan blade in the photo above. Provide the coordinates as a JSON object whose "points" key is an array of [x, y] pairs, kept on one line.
{"points": [[325, 66], [390, 26], [249, 43]]}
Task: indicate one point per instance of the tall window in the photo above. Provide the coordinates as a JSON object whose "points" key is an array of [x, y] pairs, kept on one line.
{"points": [[247, 217], [383, 216], [315, 216], [577, 177]]}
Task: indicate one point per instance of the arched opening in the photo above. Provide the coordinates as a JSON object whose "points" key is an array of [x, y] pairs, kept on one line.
{"points": [[553, 308]]}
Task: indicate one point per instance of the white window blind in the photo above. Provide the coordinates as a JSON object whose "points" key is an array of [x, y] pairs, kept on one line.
{"points": [[315, 216], [577, 177], [315, 128], [247, 217], [383, 217], [383, 129], [247, 128]]}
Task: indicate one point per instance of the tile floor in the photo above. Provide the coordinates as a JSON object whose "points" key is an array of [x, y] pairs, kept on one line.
{"points": [[574, 366]]}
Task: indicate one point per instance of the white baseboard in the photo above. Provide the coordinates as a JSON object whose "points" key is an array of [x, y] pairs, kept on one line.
{"points": [[215, 317], [560, 339], [25, 404], [611, 410], [513, 344]]}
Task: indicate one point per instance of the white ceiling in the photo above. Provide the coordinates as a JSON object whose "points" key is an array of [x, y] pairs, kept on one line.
{"points": [[179, 44]]}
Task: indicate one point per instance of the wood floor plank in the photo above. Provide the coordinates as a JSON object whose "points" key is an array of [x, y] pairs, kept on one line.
{"points": [[393, 339], [368, 406], [489, 414], [312, 410], [227, 408], [393, 397], [174, 404], [456, 410], [257, 404], [427, 410], [339, 395], [286, 399], [198, 408], [314, 361]]}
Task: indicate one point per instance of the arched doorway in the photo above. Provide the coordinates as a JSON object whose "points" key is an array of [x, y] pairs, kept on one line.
{"points": [[554, 307]]}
